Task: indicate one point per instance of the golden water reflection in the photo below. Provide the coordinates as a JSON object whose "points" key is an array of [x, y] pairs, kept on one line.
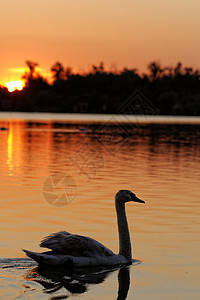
{"points": [[161, 164]]}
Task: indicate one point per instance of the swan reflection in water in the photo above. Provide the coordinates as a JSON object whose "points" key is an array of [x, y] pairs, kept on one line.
{"points": [[78, 281]]}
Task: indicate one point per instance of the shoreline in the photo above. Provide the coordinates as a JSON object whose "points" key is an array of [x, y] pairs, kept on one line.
{"points": [[98, 118]]}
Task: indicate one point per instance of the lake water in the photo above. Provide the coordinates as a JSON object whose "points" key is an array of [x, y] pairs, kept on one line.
{"points": [[61, 173]]}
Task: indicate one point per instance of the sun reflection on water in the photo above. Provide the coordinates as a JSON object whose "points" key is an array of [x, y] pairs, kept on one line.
{"points": [[10, 151]]}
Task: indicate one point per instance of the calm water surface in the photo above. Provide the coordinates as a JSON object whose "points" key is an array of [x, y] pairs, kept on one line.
{"points": [[87, 164]]}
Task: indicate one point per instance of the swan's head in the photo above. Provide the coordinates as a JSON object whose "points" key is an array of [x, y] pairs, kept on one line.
{"points": [[124, 196]]}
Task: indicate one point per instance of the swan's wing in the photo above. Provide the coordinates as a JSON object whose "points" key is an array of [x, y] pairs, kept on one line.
{"points": [[76, 245]]}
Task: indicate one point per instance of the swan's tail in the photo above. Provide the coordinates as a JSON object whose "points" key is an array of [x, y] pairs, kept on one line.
{"points": [[38, 257], [49, 258]]}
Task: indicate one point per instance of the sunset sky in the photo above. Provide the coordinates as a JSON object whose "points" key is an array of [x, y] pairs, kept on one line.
{"points": [[79, 33]]}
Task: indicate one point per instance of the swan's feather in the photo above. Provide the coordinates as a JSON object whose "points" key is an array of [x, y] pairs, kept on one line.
{"points": [[72, 244], [49, 258]]}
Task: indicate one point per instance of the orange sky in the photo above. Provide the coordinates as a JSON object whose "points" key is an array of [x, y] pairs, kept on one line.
{"points": [[79, 33]]}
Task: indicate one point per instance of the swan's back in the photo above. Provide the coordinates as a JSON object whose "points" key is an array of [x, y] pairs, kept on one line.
{"points": [[72, 244]]}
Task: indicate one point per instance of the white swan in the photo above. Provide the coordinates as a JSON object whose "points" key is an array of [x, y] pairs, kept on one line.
{"points": [[73, 250]]}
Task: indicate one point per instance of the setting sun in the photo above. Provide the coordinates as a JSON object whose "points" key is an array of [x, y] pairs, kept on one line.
{"points": [[14, 85]]}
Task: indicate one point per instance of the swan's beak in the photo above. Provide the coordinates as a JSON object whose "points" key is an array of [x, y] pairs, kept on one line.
{"points": [[136, 199]]}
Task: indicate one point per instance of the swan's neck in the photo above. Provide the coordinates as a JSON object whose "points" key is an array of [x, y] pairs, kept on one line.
{"points": [[124, 237]]}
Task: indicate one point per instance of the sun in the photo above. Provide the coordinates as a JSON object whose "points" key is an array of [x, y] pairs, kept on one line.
{"points": [[15, 85]]}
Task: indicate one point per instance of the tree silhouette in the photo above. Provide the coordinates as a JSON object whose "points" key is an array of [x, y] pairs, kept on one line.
{"points": [[68, 72], [131, 72], [178, 69], [58, 71], [98, 69], [31, 74], [155, 70], [188, 70], [172, 90]]}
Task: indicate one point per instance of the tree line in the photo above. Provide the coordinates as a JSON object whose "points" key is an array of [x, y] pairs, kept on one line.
{"points": [[170, 90]]}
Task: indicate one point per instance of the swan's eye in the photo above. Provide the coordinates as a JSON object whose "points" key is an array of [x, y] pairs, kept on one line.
{"points": [[131, 194]]}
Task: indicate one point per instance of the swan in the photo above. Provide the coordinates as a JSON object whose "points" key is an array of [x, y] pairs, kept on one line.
{"points": [[73, 250]]}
